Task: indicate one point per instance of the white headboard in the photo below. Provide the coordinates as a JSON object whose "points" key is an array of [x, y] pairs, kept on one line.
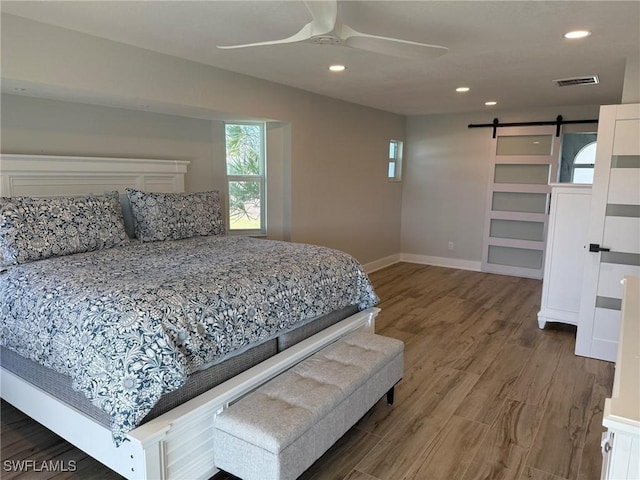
{"points": [[47, 175]]}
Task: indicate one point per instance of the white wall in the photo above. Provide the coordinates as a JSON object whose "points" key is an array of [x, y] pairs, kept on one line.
{"points": [[336, 163], [446, 180]]}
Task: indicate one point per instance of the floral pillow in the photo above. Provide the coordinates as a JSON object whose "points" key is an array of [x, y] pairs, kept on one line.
{"points": [[172, 216], [37, 228]]}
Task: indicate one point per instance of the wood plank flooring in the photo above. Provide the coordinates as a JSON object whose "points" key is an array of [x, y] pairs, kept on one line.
{"points": [[485, 393]]}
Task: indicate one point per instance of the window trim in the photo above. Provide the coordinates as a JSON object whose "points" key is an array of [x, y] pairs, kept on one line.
{"points": [[261, 179]]}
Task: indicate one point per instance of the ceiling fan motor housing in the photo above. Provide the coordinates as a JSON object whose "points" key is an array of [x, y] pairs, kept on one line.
{"points": [[326, 40]]}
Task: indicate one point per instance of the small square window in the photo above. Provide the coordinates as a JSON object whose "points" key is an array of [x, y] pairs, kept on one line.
{"points": [[394, 171]]}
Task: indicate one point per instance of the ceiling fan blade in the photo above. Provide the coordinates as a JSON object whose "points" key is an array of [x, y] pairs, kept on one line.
{"points": [[323, 13], [301, 36], [389, 46]]}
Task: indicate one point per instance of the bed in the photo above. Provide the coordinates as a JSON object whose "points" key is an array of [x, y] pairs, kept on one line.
{"points": [[123, 324]]}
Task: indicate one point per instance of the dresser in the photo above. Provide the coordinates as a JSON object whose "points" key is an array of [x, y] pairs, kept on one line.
{"points": [[621, 417]]}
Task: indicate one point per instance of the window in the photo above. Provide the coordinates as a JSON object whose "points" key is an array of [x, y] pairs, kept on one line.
{"points": [[578, 157], [245, 152], [584, 163], [394, 172]]}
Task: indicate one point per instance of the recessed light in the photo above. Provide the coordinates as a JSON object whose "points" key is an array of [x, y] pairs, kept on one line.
{"points": [[337, 68], [577, 34], [491, 103], [462, 89]]}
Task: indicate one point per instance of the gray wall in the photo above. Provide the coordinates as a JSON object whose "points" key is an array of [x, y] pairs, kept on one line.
{"points": [[446, 179], [333, 187], [329, 185], [50, 127], [631, 87]]}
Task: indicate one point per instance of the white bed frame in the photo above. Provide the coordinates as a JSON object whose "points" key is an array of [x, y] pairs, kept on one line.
{"points": [[178, 444]]}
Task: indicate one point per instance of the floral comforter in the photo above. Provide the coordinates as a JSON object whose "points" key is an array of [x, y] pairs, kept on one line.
{"points": [[129, 324]]}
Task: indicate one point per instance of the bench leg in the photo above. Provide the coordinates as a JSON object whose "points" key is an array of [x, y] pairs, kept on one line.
{"points": [[390, 396]]}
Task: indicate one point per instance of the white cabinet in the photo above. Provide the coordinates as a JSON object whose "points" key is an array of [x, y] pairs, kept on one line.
{"points": [[564, 261], [621, 443]]}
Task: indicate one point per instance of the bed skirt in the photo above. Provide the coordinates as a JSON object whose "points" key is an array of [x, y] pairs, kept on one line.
{"points": [[59, 385]]}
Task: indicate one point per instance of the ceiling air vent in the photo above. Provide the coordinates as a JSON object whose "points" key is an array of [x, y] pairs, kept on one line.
{"points": [[587, 80]]}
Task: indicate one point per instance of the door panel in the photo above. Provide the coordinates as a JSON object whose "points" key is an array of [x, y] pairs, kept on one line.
{"points": [[523, 163], [517, 257], [610, 275], [614, 224], [627, 182], [533, 231], [567, 231], [526, 143], [625, 140], [525, 173], [606, 328], [519, 202], [621, 234]]}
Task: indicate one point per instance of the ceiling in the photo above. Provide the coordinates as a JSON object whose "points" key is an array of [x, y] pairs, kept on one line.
{"points": [[506, 51]]}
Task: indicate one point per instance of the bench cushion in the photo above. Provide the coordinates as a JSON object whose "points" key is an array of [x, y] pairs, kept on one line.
{"points": [[280, 429]]}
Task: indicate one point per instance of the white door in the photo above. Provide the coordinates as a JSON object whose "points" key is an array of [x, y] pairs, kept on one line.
{"points": [[524, 161], [613, 237]]}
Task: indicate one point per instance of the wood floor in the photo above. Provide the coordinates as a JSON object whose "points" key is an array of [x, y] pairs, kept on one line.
{"points": [[485, 393]]}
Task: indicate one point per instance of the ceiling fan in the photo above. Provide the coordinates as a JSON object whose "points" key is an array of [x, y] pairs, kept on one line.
{"points": [[326, 29]]}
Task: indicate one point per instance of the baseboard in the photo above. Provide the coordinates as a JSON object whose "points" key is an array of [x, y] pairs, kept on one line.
{"points": [[441, 261], [381, 263], [423, 260]]}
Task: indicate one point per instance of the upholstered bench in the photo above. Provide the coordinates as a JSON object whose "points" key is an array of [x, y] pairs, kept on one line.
{"points": [[281, 428]]}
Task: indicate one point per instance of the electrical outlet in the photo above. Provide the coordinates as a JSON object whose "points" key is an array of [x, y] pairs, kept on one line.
{"points": [[450, 245]]}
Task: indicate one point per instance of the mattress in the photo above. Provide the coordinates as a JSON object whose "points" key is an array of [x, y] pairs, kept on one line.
{"points": [[60, 386]]}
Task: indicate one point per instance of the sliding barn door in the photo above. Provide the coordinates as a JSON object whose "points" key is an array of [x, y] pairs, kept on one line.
{"points": [[614, 231], [524, 161]]}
